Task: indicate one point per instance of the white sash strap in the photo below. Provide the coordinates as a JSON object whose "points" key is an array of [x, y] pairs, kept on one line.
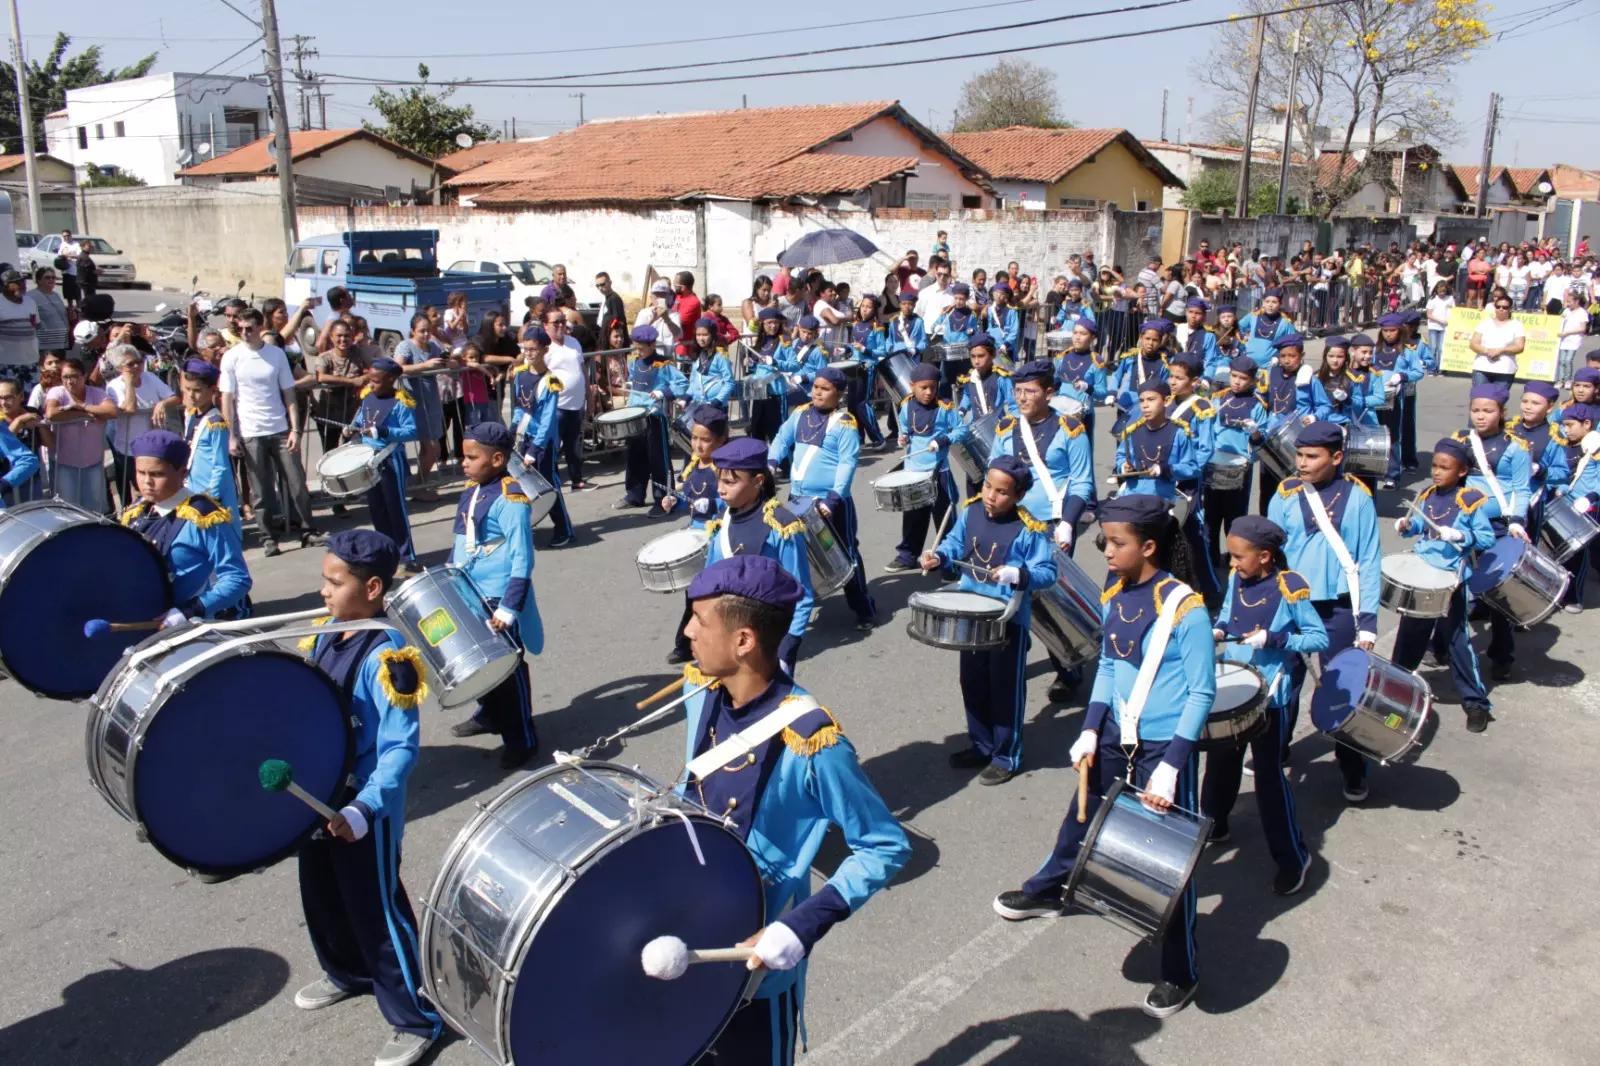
{"points": [[742, 743], [1129, 713], [724, 539], [905, 333], [1482, 460], [472, 526], [1577, 471], [983, 398], [1178, 411], [802, 462], [1040, 471], [1352, 576]]}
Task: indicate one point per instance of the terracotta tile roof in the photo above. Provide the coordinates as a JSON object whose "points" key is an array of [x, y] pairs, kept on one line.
{"points": [[480, 154], [1523, 179], [1027, 153], [806, 175], [1329, 172], [253, 158], [1575, 182]]}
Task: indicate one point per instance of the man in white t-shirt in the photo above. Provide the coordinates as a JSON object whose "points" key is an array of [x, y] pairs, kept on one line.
{"points": [[657, 313], [70, 251], [936, 297], [143, 401], [258, 402], [565, 359]]}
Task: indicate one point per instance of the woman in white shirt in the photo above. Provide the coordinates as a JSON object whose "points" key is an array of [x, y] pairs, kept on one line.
{"points": [[1498, 341], [1518, 283], [1574, 326], [1439, 318], [833, 323]]}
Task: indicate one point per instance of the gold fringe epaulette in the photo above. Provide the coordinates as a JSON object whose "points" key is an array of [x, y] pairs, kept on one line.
{"points": [[1031, 522], [309, 644], [1289, 486], [1293, 586], [1189, 602], [1357, 481], [1004, 426], [769, 513], [692, 676], [404, 700], [405, 398], [825, 737], [946, 405], [511, 489], [1470, 499], [1111, 590], [132, 512], [970, 500], [1071, 426], [203, 519], [848, 421], [1182, 424], [552, 383], [1127, 431]]}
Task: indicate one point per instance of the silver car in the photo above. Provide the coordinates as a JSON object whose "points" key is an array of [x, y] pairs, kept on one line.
{"points": [[111, 266]]}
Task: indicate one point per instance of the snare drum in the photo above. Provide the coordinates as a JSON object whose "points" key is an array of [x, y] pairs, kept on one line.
{"points": [[906, 490], [1519, 581], [959, 621], [896, 374], [532, 932], [1227, 472], [1135, 864], [42, 610], [852, 369], [1056, 342], [1239, 714], [1067, 405], [669, 562], [681, 428], [541, 494], [831, 564], [1369, 704], [1415, 589], [1279, 450], [972, 455], [1565, 531], [177, 735], [444, 616], [1366, 449], [621, 425], [1066, 616], [946, 352], [351, 469]]}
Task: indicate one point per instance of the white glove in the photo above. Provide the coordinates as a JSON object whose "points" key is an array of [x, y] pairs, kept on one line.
{"points": [[1516, 530], [1452, 535], [1111, 401], [1155, 470], [1582, 505], [1536, 469], [174, 617], [701, 506], [1163, 782], [1256, 640], [1007, 575], [357, 820], [1088, 743], [933, 446], [1402, 525], [779, 948], [1340, 396], [1064, 534], [505, 616], [1591, 443], [656, 395], [1250, 425], [1218, 636]]}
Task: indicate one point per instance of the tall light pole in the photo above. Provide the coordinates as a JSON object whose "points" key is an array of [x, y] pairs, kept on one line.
{"points": [[30, 168], [1241, 202], [1288, 128], [280, 128]]}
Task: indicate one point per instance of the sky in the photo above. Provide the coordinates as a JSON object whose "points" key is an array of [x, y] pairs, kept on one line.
{"points": [[1542, 67]]}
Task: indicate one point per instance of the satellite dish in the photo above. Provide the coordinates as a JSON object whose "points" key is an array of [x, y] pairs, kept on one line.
{"points": [[463, 140], [185, 157], [272, 148], [1546, 188], [203, 148]]}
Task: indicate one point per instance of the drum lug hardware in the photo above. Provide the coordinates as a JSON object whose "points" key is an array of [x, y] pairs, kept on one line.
{"points": [[141, 834]]}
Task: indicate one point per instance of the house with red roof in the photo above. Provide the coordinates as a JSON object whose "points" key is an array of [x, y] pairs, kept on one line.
{"points": [[1084, 169]]}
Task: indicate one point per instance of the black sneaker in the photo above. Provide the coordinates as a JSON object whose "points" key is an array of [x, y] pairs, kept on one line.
{"points": [[677, 657], [1384, 484], [995, 774], [865, 625], [625, 504], [1477, 719], [1061, 690], [511, 758], [898, 565], [969, 759], [313, 538], [1167, 999], [338, 510], [1355, 789], [1500, 671], [270, 548], [1220, 834], [561, 542], [1018, 906], [470, 728], [1288, 882]]}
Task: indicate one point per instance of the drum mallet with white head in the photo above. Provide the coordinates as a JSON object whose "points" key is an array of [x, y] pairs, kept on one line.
{"points": [[98, 627], [278, 776], [666, 958]]}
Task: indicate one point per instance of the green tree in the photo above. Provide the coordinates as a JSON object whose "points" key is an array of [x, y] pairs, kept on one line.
{"points": [[422, 120], [48, 82], [99, 179], [1013, 92], [1216, 188]]}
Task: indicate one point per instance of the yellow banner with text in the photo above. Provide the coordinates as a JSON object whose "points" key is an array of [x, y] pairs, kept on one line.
{"points": [[1537, 361]]}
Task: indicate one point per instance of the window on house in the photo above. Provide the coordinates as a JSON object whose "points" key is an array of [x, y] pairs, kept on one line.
{"points": [[972, 201], [1141, 205], [1077, 201], [99, 132], [83, 137], [117, 129]]}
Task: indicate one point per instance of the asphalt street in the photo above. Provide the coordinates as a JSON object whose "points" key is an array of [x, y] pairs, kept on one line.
{"points": [[1448, 919]]}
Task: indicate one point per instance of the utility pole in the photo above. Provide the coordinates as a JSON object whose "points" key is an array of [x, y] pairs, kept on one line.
{"points": [[1288, 128], [303, 77], [1488, 153], [280, 128], [1164, 114], [1241, 202], [30, 168], [1186, 134], [579, 97]]}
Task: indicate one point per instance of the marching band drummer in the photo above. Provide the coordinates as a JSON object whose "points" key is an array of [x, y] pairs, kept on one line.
{"points": [[1264, 328], [1073, 308], [710, 372], [1331, 526], [1398, 366], [535, 423], [1363, 374], [653, 383], [767, 413], [1456, 529], [387, 416], [1501, 470], [823, 440], [1056, 449], [205, 431], [1268, 621], [795, 775], [1081, 375], [870, 342], [697, 491], [1147, 363], [1423, 356], [22, 463], [928, 426], [985, 387], [1151, 742], [1229, 345], [358, 914], [1195, 338], [1240, 416], [753, 522], [1158, 451], [193, 532], [955, 325], [1547, 448], [1187, 406], [1336, 396], [1285, 391], [1585, 390], [1013, 548], [494, 545], [1583, 482], [1001, 322], [802, 357]]}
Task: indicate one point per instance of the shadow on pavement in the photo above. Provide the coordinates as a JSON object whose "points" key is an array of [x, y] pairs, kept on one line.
{"points": [[1050, 1038], [136, 1017]]}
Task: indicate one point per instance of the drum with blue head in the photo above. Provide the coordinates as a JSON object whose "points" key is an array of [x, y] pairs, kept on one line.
{"points": [[1367, 703], [532, 934], [61, 566], [1520, 581], [179, 731]]}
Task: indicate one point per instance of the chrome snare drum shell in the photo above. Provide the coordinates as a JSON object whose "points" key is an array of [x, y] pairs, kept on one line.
{"points": [[957, 621], [343, 475], [1134, 864], [896, 375], [1227, 471], [1066, 616], [1371, 705], [1239, 714], [1414, 588], [446, 618], [668, 563], [971, 456], [1366, 449], [541, 494], [831, 564], [616, 427], [906, 490], [1519, 581], [1565, 532], [1278, 453]]}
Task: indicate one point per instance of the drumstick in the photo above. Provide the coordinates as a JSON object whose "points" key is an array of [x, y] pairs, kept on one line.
{"points": [[1083, 791], [1130, 476], [96, 627], [1420, 513], [982, 572], [278, 776], [660, 694], [666, 958], [331, 422]]}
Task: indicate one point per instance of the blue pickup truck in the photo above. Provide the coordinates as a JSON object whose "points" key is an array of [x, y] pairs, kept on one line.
{"points": [[391, 273]]}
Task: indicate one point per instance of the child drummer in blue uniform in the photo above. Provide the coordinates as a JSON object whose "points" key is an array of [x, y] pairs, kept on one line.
{"points": [[1268, 621], [781, 793], [653, 383], [1013, 550], [1455, 529], [710, 372], [928, 426], [192, 531], [357, 911], [205, 431], [1240, 417], [1149, 740], [697, 493], [387, 416], [494, 545], [535, 398], [1582, 482]]}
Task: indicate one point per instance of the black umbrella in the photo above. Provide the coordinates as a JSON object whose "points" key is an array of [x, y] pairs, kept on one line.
{"points": [[826, 246]]}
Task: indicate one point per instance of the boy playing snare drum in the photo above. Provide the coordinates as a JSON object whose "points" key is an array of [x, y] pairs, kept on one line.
{"points": [[386, 416], [928, 426]]}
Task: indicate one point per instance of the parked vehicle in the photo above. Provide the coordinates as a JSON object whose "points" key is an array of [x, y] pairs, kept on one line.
{"points": [[391, 274], [528, 278], [111, 266], [25, 239]]}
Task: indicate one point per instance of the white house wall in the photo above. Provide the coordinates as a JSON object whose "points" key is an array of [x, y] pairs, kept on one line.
{"points": [[936, 174], [360, 162]]}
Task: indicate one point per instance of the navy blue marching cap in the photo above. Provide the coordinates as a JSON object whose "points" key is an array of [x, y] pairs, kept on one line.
{"points": [[1139, 509], [1587, 375], [707, 322], [833, 376], [1034, 370], [905, 298], [1391, 321], [1289, 340], [1410, 317], [536, 333], [386, 366], [1196, 304], [1321, 435], [1074, 283], [754, 577], [1542, 389], [366, 547], [1156, 385], [1454, 448], [1160, 325], [199, 368], [1227, 309], [1259, 530], [1335, 342], [492, 435], [980, 340], [160, 444], [742, 453], [644, 334], [1015, 469], [1089, 324], [1488, 390], [809, 322], [768, 313], [1243, 364], [1361, 340], [924, 372], [960, 288], [711, 416], [1001, 286], [1273, 292], [1581, 411]]}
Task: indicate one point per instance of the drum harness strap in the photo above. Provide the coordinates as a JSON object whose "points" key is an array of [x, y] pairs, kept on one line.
{"points": [[1482, 460], [1042, 472], [804, 461], [1129, 712], [473, 547], [1352, 576]]}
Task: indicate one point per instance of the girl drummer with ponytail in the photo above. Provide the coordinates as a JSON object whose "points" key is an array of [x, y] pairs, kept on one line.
{"points": [[1148, 736], [1267, 620]]}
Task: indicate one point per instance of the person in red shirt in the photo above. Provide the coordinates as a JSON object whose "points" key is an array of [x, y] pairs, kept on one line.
{"points": [[687, 304], [1583, 247], [907, 271], [727, 332]]}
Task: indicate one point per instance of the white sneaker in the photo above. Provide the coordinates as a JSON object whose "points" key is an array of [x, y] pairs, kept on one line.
{"points": [[403, 1049]]}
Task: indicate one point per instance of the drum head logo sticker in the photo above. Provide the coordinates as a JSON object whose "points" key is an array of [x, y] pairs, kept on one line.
{"points": [[437, 627], [825, 538]]}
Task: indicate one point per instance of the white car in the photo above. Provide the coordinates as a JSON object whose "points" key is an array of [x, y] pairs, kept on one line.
{"points": [[528, 278], [111, 266]]}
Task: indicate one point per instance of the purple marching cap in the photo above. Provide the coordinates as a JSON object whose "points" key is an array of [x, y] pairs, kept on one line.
{"points": [[492, 435], [980, 340], [366, 547], [644, 335], [1259, 530], [1015, 469], [161, 444], [1034, 370], [743, 453], [754, 577], [1321, 435], [1455, 449]]}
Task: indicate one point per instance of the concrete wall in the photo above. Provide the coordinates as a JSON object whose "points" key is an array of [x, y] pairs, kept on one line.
{"points": [[1135, 236], [1113, 176], [1379, 232], [1458, 230], [1273, 234], [175, 233], [937, 174]]}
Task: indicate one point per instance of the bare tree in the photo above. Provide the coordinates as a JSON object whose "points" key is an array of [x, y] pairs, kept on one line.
{"points": [[1013, 92], [1381, 68]]}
